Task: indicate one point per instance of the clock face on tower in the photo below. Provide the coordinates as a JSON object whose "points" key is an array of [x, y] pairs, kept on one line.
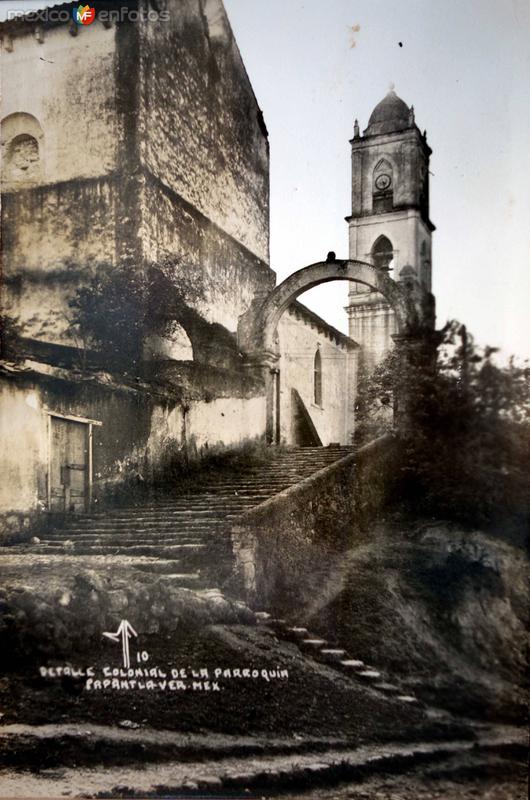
{"points": [[382, 182]]}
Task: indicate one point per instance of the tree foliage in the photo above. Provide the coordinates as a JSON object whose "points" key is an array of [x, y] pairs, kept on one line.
{"points": [[466, 452], [10, 332], [121, 305]]}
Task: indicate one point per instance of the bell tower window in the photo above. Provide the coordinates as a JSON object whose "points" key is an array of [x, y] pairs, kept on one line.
{"points": [[383, 253], [383, 187]]}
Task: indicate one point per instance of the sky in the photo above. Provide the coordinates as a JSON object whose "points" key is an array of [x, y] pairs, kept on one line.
{"points": [[316, 65]]}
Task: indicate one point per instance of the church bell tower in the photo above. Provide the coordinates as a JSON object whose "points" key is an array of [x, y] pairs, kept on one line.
{"points": [[389, 225]]}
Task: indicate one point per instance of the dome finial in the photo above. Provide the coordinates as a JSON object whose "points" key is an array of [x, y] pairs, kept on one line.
{"points": [[391, 86], [356, 133]]}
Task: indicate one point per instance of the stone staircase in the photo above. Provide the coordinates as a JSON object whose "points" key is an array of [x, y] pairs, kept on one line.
{"points": [[185, 537], [333, 656]]}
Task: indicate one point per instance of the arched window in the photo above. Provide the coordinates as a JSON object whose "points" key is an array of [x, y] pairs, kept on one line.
{"points": [[382, 253], [383, 187], [317, 378]]}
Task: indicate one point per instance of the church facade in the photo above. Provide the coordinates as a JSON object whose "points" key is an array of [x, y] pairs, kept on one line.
{"points": [[128, 147]]}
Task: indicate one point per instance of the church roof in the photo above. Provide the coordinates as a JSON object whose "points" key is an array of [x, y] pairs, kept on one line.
{"points": [[390, 115]]}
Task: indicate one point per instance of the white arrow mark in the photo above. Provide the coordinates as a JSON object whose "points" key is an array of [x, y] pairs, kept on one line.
{"points": [[125, 631]]}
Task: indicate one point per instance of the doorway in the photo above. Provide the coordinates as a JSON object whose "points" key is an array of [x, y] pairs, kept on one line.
{"points": [[70, 464]]}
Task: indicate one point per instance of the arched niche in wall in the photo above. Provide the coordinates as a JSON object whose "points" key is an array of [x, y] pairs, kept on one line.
{"points": [[22, 146]]}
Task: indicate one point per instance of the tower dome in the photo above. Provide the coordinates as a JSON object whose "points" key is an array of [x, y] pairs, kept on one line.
{"points": [[390, 115]]}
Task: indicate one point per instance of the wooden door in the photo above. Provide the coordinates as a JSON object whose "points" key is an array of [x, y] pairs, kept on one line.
{"points": [[69, 464]]}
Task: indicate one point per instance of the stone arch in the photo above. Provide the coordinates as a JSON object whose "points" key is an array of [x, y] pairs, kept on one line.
{"points": [[257, 327], [21, 143]]}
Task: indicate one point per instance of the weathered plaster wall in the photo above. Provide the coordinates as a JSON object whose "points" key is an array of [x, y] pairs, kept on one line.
{"points": [[68, 84], [60, 220], [373, 324], [151, 145], [299, 341], [24, 443], [53, 239], [201, 129], [407, 232], [140, 434], [223, 276]]}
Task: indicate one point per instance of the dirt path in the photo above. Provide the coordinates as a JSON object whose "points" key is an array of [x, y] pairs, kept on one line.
{"points": [[414, 788], [463, 776], [460, 769]]}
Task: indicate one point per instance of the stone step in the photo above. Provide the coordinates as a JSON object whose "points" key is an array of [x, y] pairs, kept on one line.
{"points": [[369, 675], [205, 511], [297, 632], [313, 644], [179, 531], [388, 688], [171, 512], [141, 533], [179, 526], [331, 654], [121, 541], [182, 580], [165, 566], [352, 664], [141, 550], [182, 504], [190, 518], [407, 698], [125, 525]]}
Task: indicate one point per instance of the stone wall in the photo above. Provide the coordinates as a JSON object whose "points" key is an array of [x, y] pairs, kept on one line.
{"points": [[201, 130], [301, 336], [291, 544], [58, 214], [223, 275], [204, 155]]}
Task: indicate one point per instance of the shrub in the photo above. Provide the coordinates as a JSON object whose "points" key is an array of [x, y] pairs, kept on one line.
{"points": [[466, 453]]}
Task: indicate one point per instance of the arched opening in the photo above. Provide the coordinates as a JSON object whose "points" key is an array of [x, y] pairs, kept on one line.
{"points": [[257, 329], [383, 187], [317, 379], [383, 253]]}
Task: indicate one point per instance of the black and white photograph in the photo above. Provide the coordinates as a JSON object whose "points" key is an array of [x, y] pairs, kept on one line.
{"points": [[264, 399]]}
